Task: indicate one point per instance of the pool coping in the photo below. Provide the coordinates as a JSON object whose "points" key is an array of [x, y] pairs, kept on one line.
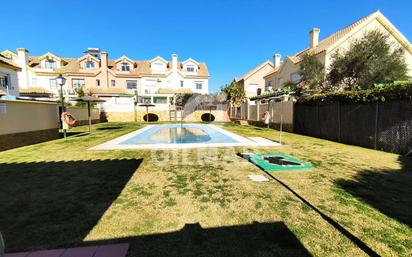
{"points": [[114, 144]]}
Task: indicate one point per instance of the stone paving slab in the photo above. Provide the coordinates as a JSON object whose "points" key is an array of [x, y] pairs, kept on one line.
{"points": [[114, 250]]}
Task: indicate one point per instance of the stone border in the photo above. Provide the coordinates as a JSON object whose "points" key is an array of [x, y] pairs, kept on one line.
{"points": [[115, 144]]}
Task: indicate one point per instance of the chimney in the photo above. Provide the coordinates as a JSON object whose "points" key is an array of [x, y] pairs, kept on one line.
{"points": [[104, 68], [103, 59], [314, 37], [23, 55], [276, 60], [174, 62]]}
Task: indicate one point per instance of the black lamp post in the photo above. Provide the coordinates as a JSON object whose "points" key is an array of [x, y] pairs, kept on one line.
{"points": [[60, 80]]}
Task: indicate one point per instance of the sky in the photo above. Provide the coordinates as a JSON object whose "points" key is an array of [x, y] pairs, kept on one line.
{"points": [[232, 37]]}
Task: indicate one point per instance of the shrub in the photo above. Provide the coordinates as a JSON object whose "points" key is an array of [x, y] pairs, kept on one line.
{"points": [[369, 60], [396, 91]]}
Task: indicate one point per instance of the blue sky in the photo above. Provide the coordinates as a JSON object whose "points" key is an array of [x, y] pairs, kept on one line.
{"points": [[230, 36]]}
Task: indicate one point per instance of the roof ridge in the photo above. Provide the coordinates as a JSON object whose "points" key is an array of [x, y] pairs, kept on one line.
{"points": [[340, 33], [254, 69]]}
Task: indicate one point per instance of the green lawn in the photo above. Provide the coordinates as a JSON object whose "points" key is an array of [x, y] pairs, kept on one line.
{"points": [[200, 202]]}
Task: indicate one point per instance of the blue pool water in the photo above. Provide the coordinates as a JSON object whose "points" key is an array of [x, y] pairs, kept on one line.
{"points": [[179, 134]]}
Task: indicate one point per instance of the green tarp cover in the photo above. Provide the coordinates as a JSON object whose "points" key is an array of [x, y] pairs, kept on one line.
{"points": [[286, 162]]}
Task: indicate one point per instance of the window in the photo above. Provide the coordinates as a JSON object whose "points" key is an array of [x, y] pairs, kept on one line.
{"points": [[98, 82], [76, 83], [269, 86], [53, 84], [259, 91], [280, 82], [160, 100], [50, 64], [89, 65], [4, 80], [147, 91], [190, 69], [181, 83], [199, 85], [131, 84], [125, 66], [295, 77], [113, 82], [146, 99]]}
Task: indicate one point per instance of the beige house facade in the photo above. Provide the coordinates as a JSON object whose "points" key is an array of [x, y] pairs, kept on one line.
{"points": [[253, 81], [99, 75], [339, 41]]}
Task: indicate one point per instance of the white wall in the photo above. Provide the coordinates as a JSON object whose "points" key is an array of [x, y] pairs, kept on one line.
{"points": [[24, 116]]}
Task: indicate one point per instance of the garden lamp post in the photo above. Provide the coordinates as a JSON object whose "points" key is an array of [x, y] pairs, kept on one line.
{"points": [[60, 80]]}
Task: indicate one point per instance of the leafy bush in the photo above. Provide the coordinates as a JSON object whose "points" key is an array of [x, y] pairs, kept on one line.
{"points": [[235, 93], [395, 91], [312, 73], [370, 59]]}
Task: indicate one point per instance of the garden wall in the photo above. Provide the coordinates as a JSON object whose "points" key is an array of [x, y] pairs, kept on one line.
{"points": [[81, 114], [384, 126], [281, 112], [124, 110], [27, 122]]}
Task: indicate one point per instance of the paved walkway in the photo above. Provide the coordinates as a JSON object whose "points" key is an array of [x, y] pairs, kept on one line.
{"points": [[114, 250]]}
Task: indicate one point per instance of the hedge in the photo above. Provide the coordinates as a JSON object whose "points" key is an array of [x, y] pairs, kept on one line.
{"points": [[390, 93]]}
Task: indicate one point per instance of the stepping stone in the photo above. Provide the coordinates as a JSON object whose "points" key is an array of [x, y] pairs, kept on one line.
{"points": [[118, 250], [258, 178], [47, 253], [80, 252]]}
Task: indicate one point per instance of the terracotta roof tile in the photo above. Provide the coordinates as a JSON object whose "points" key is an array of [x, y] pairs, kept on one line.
{"points": [[141, 67], [9, 62], [34, 90], [174, 91]]}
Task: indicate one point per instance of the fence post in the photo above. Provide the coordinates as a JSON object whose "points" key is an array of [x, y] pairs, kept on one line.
{"points": [[257, 110], [339, 122], [376, 125], [248, 110]]}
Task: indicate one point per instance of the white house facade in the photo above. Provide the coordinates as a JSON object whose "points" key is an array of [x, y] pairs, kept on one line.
{"points": [[99, 75]]}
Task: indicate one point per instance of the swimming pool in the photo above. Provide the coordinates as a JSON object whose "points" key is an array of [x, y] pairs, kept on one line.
{"points": [[181, 136]]}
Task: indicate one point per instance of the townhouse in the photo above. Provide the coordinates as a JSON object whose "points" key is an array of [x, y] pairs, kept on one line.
{"points": [[153, 80], [253, 81], [339, 41]]}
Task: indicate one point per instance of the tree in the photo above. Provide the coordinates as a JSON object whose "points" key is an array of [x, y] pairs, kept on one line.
{"points": [[368, 60], [235, 93], [312, 73]]}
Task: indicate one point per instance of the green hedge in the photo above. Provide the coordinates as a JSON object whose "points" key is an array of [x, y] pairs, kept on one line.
{"points": [[402, 91]]}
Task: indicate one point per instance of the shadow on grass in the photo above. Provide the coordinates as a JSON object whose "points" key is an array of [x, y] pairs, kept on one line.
{"points": [[389, 191], [73, 134], [45, 205], [110, 128], [257, 239]]}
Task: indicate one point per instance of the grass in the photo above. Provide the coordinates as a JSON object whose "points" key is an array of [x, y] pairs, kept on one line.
{"points": [[200, 202]]}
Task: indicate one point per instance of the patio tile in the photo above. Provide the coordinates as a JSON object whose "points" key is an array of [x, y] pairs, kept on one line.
{"points": [[80, 252], [48, 253], [117, 250]]}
